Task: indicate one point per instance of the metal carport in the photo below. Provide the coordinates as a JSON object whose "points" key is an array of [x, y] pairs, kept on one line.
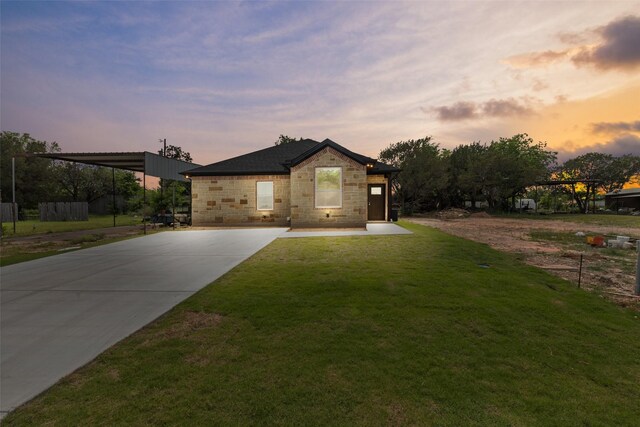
{"points": [[139, 161]]}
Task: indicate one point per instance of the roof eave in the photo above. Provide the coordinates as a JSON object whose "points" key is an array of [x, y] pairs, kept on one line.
{"points": [[234, 173]]}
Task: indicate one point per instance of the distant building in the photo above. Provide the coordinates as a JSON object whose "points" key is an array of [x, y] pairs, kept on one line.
{"points": [[628, 199]]}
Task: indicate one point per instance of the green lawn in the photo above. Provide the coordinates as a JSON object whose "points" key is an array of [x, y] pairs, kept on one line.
{"points": [[31, 227], [399, 330]]}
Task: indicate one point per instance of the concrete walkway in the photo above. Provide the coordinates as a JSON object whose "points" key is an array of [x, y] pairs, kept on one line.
{"points": [[59, 313]]}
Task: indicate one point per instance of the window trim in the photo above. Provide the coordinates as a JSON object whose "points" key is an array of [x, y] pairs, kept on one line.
{"points": [[315, 196], [258, 196]]}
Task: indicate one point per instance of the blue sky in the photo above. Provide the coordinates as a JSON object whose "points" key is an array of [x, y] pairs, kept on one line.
{"points": [[224, 78]]}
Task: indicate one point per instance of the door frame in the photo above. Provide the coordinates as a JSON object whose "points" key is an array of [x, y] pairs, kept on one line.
{"points": [[384, 200]]}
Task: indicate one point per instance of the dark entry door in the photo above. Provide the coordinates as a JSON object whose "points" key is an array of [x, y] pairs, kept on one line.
{"points": [[376, 202]]}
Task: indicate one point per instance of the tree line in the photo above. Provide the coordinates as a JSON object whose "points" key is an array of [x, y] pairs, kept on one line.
{"points": [[497, 173], [432, 177]]}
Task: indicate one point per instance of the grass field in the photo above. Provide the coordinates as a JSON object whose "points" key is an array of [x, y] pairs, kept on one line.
{"points": [[31, 227], [422, 329]]}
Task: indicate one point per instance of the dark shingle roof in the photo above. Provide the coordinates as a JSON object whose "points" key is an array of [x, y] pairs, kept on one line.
{"points": [[279, 158]]}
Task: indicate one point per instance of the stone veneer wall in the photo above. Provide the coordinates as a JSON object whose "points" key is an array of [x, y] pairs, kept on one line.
{"points": [[353, 213], [231, 200], [381, 179]]}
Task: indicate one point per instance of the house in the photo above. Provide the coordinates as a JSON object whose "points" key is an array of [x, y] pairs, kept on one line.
{"points": [[302, 184]]}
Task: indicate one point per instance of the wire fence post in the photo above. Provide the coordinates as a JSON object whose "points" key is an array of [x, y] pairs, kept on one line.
{"points": [[638, 268], [580, 272]]}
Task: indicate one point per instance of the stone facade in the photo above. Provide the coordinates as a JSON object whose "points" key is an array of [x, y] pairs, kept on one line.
{"points": [[353, 212], [231, 200]]}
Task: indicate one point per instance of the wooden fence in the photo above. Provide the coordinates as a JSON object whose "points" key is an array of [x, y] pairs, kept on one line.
{"points": [[64, 211], [6, 213]]}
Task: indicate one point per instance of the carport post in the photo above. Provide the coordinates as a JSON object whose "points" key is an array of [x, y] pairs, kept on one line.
{"points": [[144, 199], [173, 207], [113, 193], [13, 199]]}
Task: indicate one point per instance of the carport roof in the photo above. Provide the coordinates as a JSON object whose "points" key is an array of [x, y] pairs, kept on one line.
{"points": [[136, 161]]}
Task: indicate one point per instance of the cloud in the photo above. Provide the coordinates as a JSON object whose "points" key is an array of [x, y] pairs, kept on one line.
{"points": [[536, 59], [493, 108], [505, 108], [539, 85], [458, 111], [620, 146], [620, 47], [617, 127], [574, 38]]}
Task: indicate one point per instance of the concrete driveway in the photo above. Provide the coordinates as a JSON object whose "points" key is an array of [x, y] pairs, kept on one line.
{"points": [[59, 313]]}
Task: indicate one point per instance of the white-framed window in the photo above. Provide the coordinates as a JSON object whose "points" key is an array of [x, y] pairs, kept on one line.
{"points": [[328, 187], [264, 195]]}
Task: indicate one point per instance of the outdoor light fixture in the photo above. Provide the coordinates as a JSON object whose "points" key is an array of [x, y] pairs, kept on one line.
{"points": [[327, 214]]}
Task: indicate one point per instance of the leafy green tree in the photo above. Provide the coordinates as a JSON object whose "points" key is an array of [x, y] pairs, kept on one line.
{"points": [[423, 180], [597, 171], [496, 172], [33, 174], [514, 164], [86, 183], [468, 172], [176, 152], [286, 139], [620, 171], [164, 200]]}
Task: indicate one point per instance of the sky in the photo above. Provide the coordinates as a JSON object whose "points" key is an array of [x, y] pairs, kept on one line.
{"points": [[221, 79]]}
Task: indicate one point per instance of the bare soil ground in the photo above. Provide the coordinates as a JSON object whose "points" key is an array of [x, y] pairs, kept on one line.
{"points": [[554, 248], [60, 241]]}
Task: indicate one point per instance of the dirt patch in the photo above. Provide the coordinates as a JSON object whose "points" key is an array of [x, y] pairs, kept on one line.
{"points": [[453, 213], [191, 321], [60, 241], [608, 271]]}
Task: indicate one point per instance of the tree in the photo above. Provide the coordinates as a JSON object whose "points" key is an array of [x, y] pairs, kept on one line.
{"points": [[514, 164], [33, 174], [87, 183], [285, 139], [176, 152], [620, 171], [498, 172], [597, 171], [164, 200], [423, 179], [467, 173]]}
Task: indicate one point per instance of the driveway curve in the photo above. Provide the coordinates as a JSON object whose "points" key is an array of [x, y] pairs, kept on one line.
{"points": [[60, 312]]}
